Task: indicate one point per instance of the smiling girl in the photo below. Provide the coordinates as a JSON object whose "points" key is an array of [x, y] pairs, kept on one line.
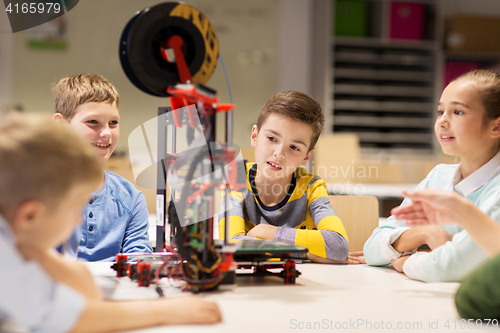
{"points": [[467, 126]]}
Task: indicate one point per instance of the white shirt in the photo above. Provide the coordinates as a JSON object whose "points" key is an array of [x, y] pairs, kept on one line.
{"points": [[29, 296], [477, 179], [464, 187]]}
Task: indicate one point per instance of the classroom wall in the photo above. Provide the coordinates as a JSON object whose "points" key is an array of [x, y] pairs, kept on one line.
{"points": [[265, 44], [248, 38], [295, 45]]}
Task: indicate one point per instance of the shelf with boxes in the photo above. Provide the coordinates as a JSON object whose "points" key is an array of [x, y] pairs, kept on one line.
{"points": [[386, 19], [384, 60]]}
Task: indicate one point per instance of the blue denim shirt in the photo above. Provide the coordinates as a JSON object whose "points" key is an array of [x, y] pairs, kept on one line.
{"points": [[115, 218]]}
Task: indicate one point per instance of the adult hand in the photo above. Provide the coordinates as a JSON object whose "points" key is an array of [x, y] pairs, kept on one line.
{"points": [[431, 207]]}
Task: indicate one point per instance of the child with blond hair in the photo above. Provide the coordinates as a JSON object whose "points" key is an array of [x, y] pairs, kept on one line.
{"points": [[47, 173], [116, 217]]}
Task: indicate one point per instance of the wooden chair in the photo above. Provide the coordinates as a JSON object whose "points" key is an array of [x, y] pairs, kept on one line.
{"points": [[359, 214]]}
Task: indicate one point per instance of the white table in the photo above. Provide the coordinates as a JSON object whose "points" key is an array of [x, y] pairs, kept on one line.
{"points": [[330, 298]]}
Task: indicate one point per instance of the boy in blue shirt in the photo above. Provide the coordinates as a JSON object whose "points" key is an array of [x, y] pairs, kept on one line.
{"points": [[47, 173], [116, 217]]}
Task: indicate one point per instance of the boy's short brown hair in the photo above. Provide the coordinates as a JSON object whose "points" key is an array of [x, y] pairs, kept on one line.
{"points": [[297, 106], [73, 91], [42, 159]]}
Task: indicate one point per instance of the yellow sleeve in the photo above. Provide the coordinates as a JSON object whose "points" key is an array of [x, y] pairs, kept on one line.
{"points": [[322, 217], [237, 223], [314, 240]]}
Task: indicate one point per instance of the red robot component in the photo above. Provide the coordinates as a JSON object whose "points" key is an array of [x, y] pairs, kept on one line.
{"points": [[183, 50], [121, 266], [290, 272], [144, 271]]}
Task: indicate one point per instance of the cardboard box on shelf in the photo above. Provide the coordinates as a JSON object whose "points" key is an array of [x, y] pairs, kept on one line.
{"points": [[338, 160], [406, 169], [335, 157], [473, 33]]}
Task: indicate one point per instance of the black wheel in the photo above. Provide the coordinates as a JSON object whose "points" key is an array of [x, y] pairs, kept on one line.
{"points": [[148, 31]]}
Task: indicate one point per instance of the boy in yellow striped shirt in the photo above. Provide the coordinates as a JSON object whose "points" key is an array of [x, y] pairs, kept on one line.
{"points": [[284, 202]]}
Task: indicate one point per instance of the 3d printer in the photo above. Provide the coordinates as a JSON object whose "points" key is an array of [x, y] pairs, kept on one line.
{"points": [[171, 50]]}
